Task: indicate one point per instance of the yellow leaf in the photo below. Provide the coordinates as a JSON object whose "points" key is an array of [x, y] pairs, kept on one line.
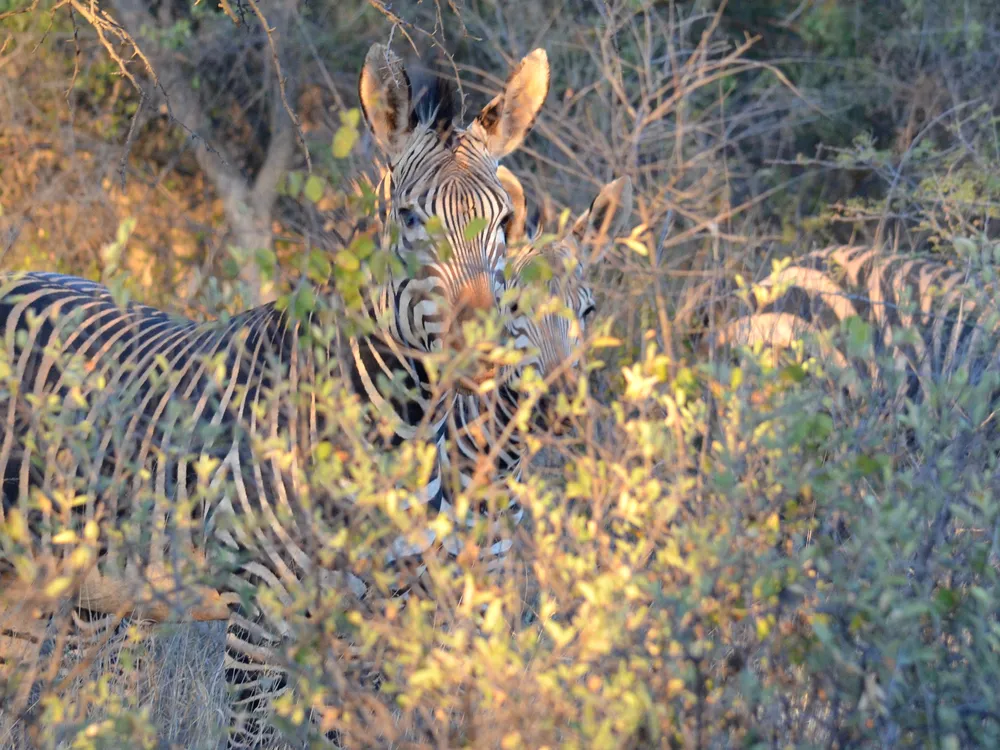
{"points": [[90, 531], [16, 526], [351, 117], [81, 558], [492, 620], [67, 536], [605, 342], [58, 586], [635, 246], [344, 140], [763, 628], [27, 571], [323, 451], [347, 260]]}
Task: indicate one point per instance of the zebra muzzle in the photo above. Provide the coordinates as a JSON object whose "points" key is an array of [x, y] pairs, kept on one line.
{"points": [[475, 300]]}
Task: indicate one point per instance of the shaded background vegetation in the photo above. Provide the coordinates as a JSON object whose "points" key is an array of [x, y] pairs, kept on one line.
{"points": [[790, 580]]}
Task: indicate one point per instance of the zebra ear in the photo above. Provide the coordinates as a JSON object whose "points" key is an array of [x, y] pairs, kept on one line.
{"points": [[386, 98], [506, 120], [606, 218], [519, 215]]}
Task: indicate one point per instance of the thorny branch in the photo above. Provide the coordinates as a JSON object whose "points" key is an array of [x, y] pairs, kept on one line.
{"points": [[404, 28]]}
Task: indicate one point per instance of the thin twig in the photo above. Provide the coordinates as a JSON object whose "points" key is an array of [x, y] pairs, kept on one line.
{"points": [[30, 9], [6, 43], [130, 138], [76, 54]]}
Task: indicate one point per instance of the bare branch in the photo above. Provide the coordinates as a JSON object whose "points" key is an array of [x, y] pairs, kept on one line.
{"points": [[130, 138], [30, 9]]}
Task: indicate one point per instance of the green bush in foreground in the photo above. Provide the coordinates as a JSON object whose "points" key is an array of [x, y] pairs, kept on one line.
{"points": [[734, 562]]}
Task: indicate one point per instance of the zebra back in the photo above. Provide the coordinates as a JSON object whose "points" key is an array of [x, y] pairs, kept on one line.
{"points": [[901, 322]]}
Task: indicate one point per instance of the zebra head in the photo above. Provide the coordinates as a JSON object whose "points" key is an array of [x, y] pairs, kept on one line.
{"points": [[447, 209], [550, 331]]}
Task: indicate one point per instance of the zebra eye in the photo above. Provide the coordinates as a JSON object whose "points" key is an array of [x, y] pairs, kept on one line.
{"points": [[588, 312], [505, 224], [408, 218]]}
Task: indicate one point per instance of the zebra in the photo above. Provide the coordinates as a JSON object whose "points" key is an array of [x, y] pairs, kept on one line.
{"points": [[484, 440], [140, 387], [898, 324]]}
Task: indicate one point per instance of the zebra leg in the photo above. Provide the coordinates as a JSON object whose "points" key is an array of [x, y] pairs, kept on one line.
{"points": [[254, 679]]}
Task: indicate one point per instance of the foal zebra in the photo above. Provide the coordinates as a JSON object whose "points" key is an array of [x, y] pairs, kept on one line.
{"points": [[923, 321], [486, 443], [483, 442], [135, 387]]}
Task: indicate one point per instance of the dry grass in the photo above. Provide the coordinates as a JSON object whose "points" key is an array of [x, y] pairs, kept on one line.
{"points": [[168, 677]]}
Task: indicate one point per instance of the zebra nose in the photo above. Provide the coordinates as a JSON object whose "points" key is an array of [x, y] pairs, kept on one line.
{"points": [[475, 297]]}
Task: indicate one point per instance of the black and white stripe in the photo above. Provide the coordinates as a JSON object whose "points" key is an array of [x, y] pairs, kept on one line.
{"points": [[927, 319]]}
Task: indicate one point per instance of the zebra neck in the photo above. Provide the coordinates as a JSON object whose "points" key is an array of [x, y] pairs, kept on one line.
{"points": [[382, 371]]}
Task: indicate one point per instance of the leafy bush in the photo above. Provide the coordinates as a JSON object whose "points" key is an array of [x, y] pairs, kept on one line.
{"points": [[723, 552]]}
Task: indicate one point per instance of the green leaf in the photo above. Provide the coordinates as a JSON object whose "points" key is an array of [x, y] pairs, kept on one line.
{"points": [[266, 260], [362, 246], [314, 188], [305, 302], [794, 373], [347, 260], [867, 465], [474, 227], [379, 265], [293, 184], [434, 226], [858, 335], [537, 269], [344, 140], [948, 599], [319, 268], [230, 268]]}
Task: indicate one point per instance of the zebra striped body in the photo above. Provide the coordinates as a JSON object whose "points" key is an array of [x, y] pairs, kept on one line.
{"points": [[173, 413], [951, 317], [219, 420]]}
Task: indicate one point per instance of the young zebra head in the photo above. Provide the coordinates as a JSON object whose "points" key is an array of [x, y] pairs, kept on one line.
{"points": [[439, 170], [551, 336]]}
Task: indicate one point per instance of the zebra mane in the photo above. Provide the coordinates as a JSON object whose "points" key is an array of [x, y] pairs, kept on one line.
{"points": [[436, 99]]}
